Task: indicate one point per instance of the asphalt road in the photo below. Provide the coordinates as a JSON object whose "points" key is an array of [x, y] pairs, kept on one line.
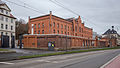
{"points": [[79, 60]]}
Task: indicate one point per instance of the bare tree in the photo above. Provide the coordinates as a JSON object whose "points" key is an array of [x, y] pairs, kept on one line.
{"points": [[21, 28]]}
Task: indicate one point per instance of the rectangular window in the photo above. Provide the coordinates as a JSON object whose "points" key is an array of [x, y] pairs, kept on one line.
{"points": [[58, 31], [65, 33], [2, 10], [58, 25], [39, 32], [82, 30], [35, 26], [42, 31], [11, 27], [11, 20], [61, 32], [53, 24], [39, 25], [71, 29], [6, 12], [65, 27], [2, 26], [42, 24], [6, 33], [1, 33], [6, 26], [2, 18], [6, 19], [68, 28], [75, 28], [35, 32], [79, 29], [75, 34], [54, 31], [61, 26]]}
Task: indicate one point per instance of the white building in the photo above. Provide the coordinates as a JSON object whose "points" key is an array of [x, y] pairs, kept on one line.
{"points": [[7, 26], [112, 32]]}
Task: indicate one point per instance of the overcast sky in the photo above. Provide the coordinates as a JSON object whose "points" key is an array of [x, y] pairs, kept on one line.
{"points": [[97, 14]]}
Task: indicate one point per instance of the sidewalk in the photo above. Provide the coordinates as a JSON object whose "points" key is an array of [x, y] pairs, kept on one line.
{"points": [[21, 52], [115, 63], [28, 52]]}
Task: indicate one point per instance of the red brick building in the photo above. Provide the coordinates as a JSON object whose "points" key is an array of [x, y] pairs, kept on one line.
{"points": [[53, 28], [51, 24]]}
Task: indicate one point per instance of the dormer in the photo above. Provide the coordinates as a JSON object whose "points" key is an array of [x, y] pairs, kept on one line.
{"points": [[4, 9]]}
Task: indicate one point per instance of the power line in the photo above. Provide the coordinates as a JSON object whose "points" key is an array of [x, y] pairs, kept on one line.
{"points": [[24, 6], [28, 5], [61, 5]]}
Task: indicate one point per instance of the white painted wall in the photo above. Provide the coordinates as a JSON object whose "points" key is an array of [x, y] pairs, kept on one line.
{"points": [[9, 23]]}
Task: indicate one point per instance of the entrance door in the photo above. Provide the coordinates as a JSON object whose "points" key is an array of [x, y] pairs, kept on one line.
{"points": [[13, 42], [5, 41]]}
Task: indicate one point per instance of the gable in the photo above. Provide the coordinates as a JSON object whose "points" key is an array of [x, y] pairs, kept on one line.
{"points": [[4, 6]]}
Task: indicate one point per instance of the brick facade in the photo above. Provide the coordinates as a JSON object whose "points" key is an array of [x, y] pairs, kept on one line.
{"points": [[51, 24], [65, 33]]}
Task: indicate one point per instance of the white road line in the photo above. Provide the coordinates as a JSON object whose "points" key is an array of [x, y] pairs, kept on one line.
{"points": [[109, 61], [6, 63], [40, 60], [55, 62], [48, 61], [43, 61]]}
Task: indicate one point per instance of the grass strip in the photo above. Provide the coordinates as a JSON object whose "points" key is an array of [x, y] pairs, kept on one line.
{"points": [[69, 52], [4, 50]]}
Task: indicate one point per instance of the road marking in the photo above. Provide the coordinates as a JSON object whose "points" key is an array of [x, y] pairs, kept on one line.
{"points": [[43, 61], [6, 63], [55, 62], [40, 60], [109, 61], [48, 61]]}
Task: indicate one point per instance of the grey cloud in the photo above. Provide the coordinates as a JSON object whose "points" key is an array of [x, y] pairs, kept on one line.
{"points": [[99, 14]]}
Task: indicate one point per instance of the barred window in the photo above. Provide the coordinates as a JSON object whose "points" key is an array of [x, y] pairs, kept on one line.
{"points": [[39, 25], [54, 31], [42, 31], [58, 25], [53, 24]]}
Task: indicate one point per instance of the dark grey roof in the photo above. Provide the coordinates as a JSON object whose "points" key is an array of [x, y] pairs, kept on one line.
{"points": [[118, 35], [70, 19], [109, 31], [1, 2]]}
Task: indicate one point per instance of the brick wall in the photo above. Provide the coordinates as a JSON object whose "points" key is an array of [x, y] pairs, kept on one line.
{"points": [[41, 41]]}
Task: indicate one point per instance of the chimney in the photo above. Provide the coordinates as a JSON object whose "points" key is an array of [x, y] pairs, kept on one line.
{"points": [[29, 30], [112, 27], [50, 12]]}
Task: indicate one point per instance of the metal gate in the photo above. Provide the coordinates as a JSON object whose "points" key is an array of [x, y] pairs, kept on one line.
{"points": [[5, 41], [13, 42]]}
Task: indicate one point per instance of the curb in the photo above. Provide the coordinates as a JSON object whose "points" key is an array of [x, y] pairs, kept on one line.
{"points": [[109, 62], [5, 52]]}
